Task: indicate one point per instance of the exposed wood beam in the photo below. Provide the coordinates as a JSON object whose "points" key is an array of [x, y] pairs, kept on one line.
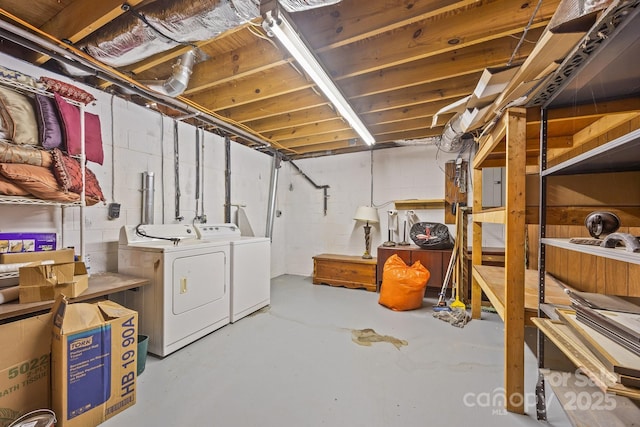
{"points": [[450, 89], [452, 64], [349, 22], [290, 103], [428, 38], [399, 114], [318, 114], [271, 83]]}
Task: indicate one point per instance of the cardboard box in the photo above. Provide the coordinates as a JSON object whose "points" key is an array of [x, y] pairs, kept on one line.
{"points": [[43, 282], [93, 361], [25, 380], [59, 256]]}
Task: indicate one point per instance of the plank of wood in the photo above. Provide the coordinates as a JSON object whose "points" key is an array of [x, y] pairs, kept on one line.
{"points": [[489, 143], [586, 405], [492, 215], [615, 357], [476, 257], [419, 204], [100, 285], [514, 258], [492, 279], [564, 338]]}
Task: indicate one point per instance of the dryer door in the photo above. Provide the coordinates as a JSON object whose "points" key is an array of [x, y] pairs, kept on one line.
{"points": [[198, 280]]}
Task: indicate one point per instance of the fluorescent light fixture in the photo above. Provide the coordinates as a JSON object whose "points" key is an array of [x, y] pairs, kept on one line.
{"points": [[284, 31]]}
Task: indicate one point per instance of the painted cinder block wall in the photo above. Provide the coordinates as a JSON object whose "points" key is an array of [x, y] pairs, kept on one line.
{"points": [[137, 140]]}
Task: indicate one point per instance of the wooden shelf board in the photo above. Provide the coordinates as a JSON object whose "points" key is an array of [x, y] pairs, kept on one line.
{"points": [[621, 154], [100, 285], [600, 410], [491, 280], [492, 215], [618, 254], [419, 204], [562, 336]]}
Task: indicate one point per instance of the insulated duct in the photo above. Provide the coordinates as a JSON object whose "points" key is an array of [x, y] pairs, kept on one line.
{"points": [[164, 24], [453, 138]]}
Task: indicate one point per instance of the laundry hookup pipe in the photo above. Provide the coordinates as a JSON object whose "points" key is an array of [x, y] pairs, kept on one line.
{"points": [[147, 197]]}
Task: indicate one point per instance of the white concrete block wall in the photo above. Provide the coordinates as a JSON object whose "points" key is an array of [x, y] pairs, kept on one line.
{"points": [[142, 140], [413, 172], [136, 139]]}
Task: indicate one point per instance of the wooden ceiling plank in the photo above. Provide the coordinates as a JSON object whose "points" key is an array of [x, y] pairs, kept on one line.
{"points": [[399, 114], [283, 118], [493, 20], [468, 60], [309, 130], [276, 106], [290, 119], [272, 83], [343, 135], [453, 64], [348, 22], [243, 62], [453, 88], [419, 124], [415, 134], [330, 147]]}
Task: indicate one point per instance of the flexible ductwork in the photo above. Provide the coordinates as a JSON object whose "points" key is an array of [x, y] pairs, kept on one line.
{"points": [[453, 137], [164, 24]]}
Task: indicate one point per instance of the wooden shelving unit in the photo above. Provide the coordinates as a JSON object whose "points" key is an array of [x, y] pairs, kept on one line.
{"points": [[504, 286], [595, 103], [512, 289]]}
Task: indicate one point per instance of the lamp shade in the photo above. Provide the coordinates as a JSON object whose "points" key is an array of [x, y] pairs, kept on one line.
{"points": [[367, 213]]}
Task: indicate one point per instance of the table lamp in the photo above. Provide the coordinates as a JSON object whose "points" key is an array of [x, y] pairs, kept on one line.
{"points": [[368, 215]]}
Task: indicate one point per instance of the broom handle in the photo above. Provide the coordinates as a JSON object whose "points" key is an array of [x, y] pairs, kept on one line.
{"points": [[445, 282]]}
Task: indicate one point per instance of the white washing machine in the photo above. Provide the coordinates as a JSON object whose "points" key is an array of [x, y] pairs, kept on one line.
{"points": [[188, 294], [250, 268]]}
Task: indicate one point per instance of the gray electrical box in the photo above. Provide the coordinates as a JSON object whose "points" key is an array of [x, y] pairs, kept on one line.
{"points": [[493, 182]]}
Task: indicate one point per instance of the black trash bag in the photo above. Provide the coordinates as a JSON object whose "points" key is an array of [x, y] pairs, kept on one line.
{"points": [[431, 235]]}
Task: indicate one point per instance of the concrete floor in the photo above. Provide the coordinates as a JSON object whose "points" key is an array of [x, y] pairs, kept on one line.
{"points": [[295, 364]]}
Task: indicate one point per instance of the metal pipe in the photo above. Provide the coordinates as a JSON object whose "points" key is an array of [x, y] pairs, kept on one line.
{"points": [[324, 188], [147, 197], [197, 174], [179, 80], [227, 179], [176, 170], [37, 44], [273, 187]]}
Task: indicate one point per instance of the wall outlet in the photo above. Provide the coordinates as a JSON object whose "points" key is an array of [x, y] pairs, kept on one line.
{"points": [[114, 210]]}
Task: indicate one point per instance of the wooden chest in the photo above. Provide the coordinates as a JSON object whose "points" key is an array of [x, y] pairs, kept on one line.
{"points": [[345, 270]]}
